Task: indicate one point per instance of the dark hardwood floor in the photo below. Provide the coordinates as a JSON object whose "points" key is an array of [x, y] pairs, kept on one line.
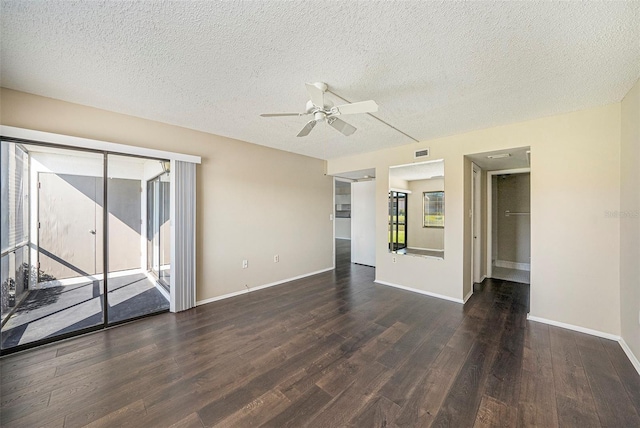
{"points": [[331, 350]]}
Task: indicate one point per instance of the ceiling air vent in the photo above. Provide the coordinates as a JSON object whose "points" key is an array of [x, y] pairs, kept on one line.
{"points": [[423, 153]]}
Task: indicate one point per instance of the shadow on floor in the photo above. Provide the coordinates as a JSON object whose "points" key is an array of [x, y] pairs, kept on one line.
{"points": [[53, 311]]}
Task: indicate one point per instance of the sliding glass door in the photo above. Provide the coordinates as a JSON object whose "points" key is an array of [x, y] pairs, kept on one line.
{"points": [[135, 289], [66, 214]]}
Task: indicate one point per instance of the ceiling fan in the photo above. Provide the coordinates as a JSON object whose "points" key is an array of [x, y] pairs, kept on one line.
{"points": [[325, 111]]}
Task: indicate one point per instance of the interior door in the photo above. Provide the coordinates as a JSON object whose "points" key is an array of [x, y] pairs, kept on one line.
{"points": [[67, 233], [363, 223]]}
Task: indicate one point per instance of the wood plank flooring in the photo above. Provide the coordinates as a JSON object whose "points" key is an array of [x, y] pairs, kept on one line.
{"points": [[332, 350]]}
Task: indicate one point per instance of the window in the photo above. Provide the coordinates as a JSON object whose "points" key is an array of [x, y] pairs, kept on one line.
{"points": [[433, 209]]}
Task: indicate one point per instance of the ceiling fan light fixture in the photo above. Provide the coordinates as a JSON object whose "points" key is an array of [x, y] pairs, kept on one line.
{"points": [[324, 110]]}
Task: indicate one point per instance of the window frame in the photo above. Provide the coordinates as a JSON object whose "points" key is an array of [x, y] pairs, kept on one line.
{"points": [[426, 210]]}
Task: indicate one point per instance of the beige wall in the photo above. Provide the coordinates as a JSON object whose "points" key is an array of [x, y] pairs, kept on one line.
{"points": [[253, 202], [575, 249], [630, 222], [431, 238]]}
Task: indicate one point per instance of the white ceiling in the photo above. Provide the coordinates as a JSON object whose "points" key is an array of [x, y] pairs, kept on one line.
{"points": [[518, 158], [418, 171], [435, 68], [364, 174]]}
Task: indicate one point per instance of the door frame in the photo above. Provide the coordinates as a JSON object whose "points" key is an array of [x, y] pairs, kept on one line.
{"points": [[157, 200], [34, 206], [489, 219], [476, 223]]}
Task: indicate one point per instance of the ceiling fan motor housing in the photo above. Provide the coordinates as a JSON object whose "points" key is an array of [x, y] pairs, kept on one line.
{"points": [[311, 108]]}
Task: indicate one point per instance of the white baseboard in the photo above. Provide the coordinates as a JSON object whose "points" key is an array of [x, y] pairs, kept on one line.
{"points": [[575, 328], [513, 265], [260, 287], [632, 358], [620, 340], [415, 290], [482, 278], [467, 296]]}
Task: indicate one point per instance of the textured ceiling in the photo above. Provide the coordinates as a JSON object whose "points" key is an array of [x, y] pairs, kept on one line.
{"points": [[418, 171], [434, 68], [363, 174], [518, 159]]}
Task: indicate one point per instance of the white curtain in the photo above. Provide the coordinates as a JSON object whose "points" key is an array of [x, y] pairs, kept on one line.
{"points": [[183, 245]]}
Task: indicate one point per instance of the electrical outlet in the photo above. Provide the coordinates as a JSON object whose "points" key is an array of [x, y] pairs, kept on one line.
{"points": [[276, 258], [245, 264], [393, 259], [330, 217]]}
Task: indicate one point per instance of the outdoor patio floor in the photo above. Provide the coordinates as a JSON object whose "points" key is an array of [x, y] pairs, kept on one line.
{"points": [[61, 309]]}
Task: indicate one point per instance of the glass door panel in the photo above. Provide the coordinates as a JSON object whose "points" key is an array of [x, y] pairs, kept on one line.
{"points": [[165, 230], [133, 290], [51, 257], [57, 208], [158, 228]]}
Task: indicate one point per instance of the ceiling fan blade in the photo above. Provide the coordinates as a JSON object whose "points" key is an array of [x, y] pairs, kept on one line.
{"points": [[281, 114], [316, 94], [307, 128], [341, 126], [355, 108]]}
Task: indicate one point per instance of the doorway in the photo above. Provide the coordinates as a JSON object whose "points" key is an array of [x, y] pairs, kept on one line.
{"points": [[510, 225], [354, 216], [499, 232]]}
